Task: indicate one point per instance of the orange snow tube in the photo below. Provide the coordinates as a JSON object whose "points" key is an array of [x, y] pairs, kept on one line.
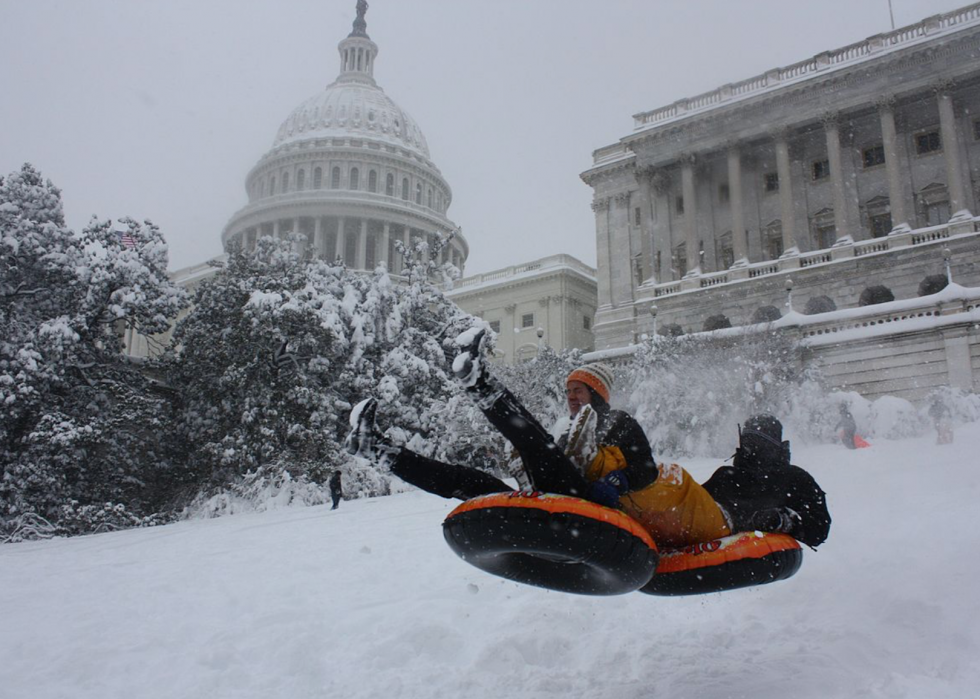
{"points": [[553, 541], [739, 560]]}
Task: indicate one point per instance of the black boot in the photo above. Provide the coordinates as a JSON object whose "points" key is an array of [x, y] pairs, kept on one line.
{"points": [[365, 439]]}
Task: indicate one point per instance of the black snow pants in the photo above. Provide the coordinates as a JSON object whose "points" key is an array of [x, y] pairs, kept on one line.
{"points": [[549, 470]]}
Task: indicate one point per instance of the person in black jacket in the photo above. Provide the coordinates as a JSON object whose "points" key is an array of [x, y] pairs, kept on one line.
{"points": [[761, 490], [549, 468], [336, 489]]}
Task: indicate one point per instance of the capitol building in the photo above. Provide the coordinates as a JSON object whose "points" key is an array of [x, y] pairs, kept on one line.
{"points": [[349, 170], [856, 167]]}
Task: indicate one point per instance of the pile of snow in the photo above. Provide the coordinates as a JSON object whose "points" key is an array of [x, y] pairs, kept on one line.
{"points": [[368, 601]]}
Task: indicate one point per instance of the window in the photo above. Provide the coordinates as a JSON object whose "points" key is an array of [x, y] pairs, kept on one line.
{"points": [[680, 260], [405, 188], [300, 180], [937, 213], [373, 181], [770, 181], [636, 217], [772, 240], [679, 206], [826, 235], [418, 192], [820, 169], [527, 320], [495, 326], [429, 199], [875, 155], [881, 225], [335, 178], [724, 253], [724, 195], [355, 177], [390, 185], [586, 323], [285, 182], [928, 143], [317, 178], [272, 186]]}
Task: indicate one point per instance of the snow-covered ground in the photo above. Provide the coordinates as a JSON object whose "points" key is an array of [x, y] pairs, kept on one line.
{"points": [[368, 601]]}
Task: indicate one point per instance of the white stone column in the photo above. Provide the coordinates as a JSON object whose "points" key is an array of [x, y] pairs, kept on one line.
{"points": [[951, 153], [297, 246], [600, 206], [740, 248], [841, 222], [339, 244], [889, 140], [785, 175], [645, 230], [386, 246], [689, 193], [318, 237], [362, 241]]}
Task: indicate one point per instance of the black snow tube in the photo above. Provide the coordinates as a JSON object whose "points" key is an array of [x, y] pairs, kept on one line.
{"points": [[739, 560], [553, 541]]}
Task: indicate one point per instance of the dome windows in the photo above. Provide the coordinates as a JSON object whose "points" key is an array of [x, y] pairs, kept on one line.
{"points": [[335, 178], [300, 180], [390, 185], [317, 178], [405, 188], [354, 178], [373, 181]]}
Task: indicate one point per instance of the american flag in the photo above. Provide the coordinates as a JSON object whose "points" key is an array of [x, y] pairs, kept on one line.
{"points": [[126, 239]]}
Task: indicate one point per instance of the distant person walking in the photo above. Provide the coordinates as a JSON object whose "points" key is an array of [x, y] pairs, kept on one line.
{"points": [[336, 489], [846, 427], [939, 412]]}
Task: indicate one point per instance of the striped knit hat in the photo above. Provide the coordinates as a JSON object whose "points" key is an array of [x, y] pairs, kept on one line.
{"points": [[598, 377]]}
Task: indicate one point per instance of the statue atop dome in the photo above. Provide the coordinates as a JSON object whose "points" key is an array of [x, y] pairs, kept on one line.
{"points": [[360, 25]]}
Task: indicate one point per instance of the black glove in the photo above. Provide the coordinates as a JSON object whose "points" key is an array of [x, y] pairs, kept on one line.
{"points": [[606, 490]]}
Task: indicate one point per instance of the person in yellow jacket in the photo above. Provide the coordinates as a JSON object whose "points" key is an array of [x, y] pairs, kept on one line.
{"points": [[622, 473], [605, 457]]}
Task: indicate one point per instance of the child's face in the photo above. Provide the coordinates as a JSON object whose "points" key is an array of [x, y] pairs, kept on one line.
{"points": [[578, 395]]}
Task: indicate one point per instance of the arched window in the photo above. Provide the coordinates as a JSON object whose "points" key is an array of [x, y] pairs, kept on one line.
{"points": [[430, 199], [300, 180], [317, 178], [272, 186], [373, 181], [285, 182], [418, 193], [335, 178], [262, 190], [405, 188], [354, 177], [390, 185]]}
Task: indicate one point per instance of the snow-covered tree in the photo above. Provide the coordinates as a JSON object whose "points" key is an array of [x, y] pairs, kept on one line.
{"points": [[80, 425], [690, 392], [278, 349]]}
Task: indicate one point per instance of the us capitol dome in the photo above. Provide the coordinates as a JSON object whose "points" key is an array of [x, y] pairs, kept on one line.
{"points": [[350, 170]]}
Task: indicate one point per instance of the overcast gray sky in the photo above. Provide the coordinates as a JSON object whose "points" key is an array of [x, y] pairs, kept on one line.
{"points": [[158, 108]]}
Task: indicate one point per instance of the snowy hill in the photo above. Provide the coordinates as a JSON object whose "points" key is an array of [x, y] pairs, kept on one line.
{"points": [[368, 601]]}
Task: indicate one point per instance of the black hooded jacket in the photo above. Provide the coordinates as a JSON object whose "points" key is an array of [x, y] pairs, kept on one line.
{"points": [[754, 483]]}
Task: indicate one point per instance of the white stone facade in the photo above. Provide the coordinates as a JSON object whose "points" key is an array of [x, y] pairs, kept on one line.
{"points": [[350, 170], [855, 167], [554, 297]]}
